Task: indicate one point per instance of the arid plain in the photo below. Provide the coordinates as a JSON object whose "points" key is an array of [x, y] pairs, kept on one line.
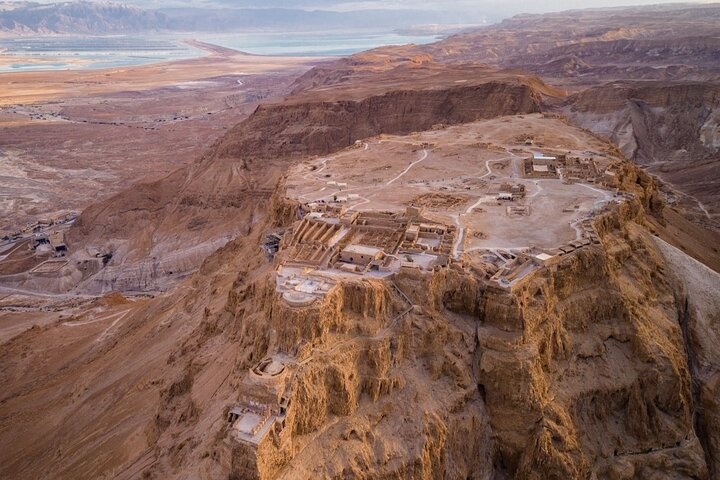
{"points": [[429, 261], [68, 137]]}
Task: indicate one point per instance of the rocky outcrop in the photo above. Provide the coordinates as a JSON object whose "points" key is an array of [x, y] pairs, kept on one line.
{"points": [[160, 231], [600, 366], [582, 372], [316, 128], [673, 129]]}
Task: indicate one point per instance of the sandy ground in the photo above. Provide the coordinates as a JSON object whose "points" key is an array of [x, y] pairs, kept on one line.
{"points": [[14, 323], [89, 134], [33, 87], [457, 175], [21, 311]]}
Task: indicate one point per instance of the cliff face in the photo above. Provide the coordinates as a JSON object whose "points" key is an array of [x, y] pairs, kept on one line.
{"points": [[161, 231], [673, 129], [580, 372], [699, 317], [602, 365], [315, 128]]}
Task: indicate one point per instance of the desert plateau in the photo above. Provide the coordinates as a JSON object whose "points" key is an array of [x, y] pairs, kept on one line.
{"points": [[491, 255]]}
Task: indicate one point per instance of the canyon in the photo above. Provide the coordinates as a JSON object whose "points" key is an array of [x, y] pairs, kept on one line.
{"points": [[457, 260]]}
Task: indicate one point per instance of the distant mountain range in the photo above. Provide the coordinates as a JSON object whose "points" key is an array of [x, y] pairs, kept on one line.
{"points": [[24, 18], [98, 18]]}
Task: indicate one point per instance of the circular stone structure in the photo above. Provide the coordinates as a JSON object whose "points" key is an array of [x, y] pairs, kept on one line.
{"points": [[298, 299], [269, 367]]}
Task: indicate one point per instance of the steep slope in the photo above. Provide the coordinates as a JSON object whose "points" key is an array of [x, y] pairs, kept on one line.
{"points": [[673, 130], [580, 372], [644, 77], [699, 318], [158, 231]]}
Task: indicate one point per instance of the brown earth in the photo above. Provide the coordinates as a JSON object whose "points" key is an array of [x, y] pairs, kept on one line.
{"points": [[581, 372], [71, 138], [226, 190], [603, 365]]}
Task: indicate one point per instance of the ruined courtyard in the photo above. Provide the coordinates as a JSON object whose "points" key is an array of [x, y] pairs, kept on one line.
{"points": [[508, 195]]}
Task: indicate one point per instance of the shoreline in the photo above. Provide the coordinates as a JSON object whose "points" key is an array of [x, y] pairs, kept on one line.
{"points": [[36, 86], [200, 49]]}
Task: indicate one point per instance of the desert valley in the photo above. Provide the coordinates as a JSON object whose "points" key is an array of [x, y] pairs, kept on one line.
{"points": [[494, 256]]}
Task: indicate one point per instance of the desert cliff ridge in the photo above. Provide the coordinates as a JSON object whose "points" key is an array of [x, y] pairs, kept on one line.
{"points": [[482, 258]]}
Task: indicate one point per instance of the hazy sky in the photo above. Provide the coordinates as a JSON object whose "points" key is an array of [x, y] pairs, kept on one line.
{"points": [[514, 5], [449, 12], [506, 6]]}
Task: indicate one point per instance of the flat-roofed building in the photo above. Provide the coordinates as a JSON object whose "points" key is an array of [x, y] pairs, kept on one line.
{"points": [[360, 254], [505, 196], [412, 232]]}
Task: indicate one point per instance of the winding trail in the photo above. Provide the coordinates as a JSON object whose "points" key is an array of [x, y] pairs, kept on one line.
{"points": [[107, 331], [100, 319], [539, 189], [32, 293], [422, 157], [702, 207], [487, 166], [365, 201], [474, 205]]}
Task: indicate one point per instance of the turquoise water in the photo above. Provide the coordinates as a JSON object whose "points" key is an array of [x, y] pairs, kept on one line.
{"points": [[313, 43], [73, 53]]}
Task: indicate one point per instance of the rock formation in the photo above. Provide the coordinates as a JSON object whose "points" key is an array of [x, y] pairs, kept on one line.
{"points": [[161, 231], [603, 364]]}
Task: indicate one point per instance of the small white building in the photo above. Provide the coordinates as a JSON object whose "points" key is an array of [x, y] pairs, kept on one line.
{"points": [[543, 257]]}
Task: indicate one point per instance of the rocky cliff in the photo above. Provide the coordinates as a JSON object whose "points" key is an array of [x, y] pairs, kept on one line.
{"points": [[672, 129], [158, 232], [601, 366], [315, 128], [582, 372]]}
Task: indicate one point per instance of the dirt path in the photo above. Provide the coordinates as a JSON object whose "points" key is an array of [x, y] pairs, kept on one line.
{"points": [[422, 158]]}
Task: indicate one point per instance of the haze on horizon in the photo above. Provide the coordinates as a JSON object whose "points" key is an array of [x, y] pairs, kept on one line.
{"points": [[468, 11]]}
